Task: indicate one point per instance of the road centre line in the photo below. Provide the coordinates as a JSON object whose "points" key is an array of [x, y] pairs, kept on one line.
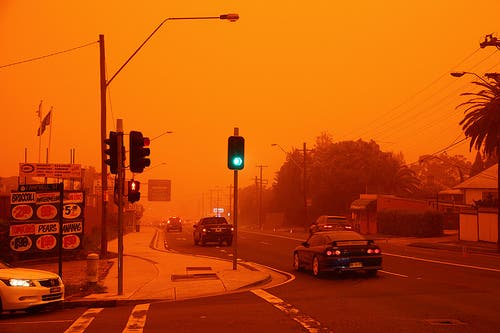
{"points": [[391, 273], [81, 324], [443, 262], [310, 324]]}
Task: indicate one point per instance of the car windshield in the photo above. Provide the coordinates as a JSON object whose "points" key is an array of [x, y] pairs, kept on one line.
{"points": [[336, 220], [344, 235]]}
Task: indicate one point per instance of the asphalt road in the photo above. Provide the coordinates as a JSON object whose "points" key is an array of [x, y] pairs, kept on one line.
{"points": [[418, 290]]}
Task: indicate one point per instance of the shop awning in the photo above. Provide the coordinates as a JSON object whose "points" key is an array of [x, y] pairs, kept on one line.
{"points": [[364, 204]]}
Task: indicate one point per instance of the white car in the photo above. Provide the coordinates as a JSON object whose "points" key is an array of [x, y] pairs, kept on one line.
{"points": [[28, 289]]}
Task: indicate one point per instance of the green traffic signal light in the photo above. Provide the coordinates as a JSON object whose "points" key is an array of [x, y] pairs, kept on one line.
{"points": [[237, 161], [235, 152]]}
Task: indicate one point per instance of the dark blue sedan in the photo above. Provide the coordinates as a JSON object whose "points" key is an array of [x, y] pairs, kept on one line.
{"points": [[338, 251]]}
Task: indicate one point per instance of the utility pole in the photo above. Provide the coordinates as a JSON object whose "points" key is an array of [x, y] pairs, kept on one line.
{"points": [[261, 213], [490, 40], [104, 169], [304, 178]]}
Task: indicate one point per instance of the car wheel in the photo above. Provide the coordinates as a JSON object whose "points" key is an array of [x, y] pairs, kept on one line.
{"points": [[196, 241], [296, 262], [202, 241], [315, 267], [371, 272], [229, 242]]}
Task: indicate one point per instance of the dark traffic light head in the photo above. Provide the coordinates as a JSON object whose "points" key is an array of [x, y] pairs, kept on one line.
{"points": [[112, 152], [236, 152], [138, 152]]}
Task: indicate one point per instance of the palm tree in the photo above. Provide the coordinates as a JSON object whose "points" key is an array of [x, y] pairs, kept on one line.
{"points": [[481, 124], [405, 181]]}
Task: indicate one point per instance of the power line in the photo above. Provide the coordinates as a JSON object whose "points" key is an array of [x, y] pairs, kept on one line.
{"points": [[48, 55]]}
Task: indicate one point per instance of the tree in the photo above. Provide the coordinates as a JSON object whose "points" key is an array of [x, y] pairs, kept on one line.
{"points": [[440, 172], [481, 124], [337, 172]]}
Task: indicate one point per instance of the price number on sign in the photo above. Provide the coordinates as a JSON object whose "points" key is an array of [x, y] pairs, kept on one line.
{"points": [[71, 211], [46, 212], [20, 243]]}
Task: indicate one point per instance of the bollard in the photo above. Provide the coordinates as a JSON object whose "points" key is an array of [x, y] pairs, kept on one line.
{"points": [[92, 267]]}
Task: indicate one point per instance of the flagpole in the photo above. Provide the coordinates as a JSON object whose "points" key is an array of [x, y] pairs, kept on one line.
{"points": [[51, 119], [39, 113]]}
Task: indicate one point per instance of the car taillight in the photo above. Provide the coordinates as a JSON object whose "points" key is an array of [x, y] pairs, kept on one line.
{"points": [[373, 251], [332, 252], [204, 230]]}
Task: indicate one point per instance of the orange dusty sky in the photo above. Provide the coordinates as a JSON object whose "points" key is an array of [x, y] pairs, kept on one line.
{"points": [[286, 72]]}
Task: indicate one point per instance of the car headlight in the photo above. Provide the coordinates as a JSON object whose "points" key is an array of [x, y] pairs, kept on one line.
{"points": [[19, 283]]}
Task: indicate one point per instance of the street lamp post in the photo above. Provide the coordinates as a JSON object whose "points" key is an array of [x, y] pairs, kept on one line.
{"points": [[103, 87], [494, 76]]}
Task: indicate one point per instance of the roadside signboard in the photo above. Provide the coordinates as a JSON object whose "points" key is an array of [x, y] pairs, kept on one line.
{"points": [[48, 170], [159, 190], [36, 216]]}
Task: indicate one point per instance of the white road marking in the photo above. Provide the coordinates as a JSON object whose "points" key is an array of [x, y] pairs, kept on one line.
{"points": [[391, 273], [310, 324], [443, 262], [137, 319], [81, 324]]}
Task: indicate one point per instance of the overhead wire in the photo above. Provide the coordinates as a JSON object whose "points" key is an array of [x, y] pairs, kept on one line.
{"points": [[48, 55], [401, 122], [394, 116], [410, 98]]}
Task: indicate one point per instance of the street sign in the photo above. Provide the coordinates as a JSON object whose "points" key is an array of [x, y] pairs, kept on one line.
{"points": [[66, 171], [37, 187], [159, 190]]}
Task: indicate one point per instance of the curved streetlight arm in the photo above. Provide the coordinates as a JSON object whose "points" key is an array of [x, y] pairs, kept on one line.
{"points": [[156, 137], [229, 17]]}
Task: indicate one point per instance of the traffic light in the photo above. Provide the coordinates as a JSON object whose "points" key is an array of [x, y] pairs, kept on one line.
{"points": [[133, 190], [112, 152], [138, 152], [235, 152]]}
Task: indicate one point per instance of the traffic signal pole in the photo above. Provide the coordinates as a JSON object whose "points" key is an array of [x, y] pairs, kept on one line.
{"points": [[235, 213], [120, 181]]}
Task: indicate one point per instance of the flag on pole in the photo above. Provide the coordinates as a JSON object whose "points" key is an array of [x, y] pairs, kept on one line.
{"points": [[39, 111], [45, 122]]}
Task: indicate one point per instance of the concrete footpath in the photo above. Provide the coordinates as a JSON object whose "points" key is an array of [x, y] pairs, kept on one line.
{"points": [[151, 273]]}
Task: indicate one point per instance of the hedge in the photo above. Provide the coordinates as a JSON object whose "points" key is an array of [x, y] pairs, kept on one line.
{"points": [[408, 223]]}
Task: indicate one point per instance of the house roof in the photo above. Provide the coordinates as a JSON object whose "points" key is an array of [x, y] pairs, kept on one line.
{"points": [[487, 179]]}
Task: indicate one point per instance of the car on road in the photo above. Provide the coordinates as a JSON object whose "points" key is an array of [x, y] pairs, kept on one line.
{"points": [[330, 222], [213, 229], [173, 223], [28, 289], [338, 251]]}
